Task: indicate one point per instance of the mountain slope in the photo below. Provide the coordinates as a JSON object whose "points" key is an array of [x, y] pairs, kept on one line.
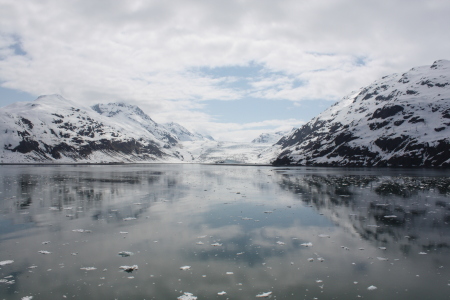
{"points": [[52, 128], [269, 138], [399, 120], [185, 135]]}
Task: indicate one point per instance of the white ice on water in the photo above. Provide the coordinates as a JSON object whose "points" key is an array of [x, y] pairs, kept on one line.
{"points": [[264, 295], [187, 296], [6, 262]]}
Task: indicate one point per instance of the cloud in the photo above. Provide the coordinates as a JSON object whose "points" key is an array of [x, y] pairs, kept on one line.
{"points": [[150, 52]]}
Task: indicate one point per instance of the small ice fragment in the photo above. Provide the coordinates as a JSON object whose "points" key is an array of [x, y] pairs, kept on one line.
{"points": [[89, 268], [53, 208], [221, 293], [82, 230], [125, 253], [390, 217], [361, 248], [201, 236], [292, 263], [200, 243], [6, 262], [320, 259], [187, 296], [372, 288], [45, 243], [345, 248], [229, 273], [264, 295], [44, 252], [310, 259], [129, 269], [240, 253], [216, 244], [246, 218], [324, 236], [306, 244], [268, 212], [319, 281], [129, 219], [281, 243], [123, 232], [184, 268], [382, 258], [27, 298], [376, 226], [382, 248], [355, 282], [422, 253], [74, 253], [32, 267]]}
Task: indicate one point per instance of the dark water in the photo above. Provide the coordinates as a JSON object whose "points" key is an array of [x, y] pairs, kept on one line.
{"points": [[386, 228]]}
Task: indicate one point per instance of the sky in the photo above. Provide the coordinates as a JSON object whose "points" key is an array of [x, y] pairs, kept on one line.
{"points": [[229, 68]]}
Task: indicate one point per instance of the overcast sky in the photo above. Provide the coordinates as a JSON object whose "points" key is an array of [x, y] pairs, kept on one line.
{"points": [[230, 68]]}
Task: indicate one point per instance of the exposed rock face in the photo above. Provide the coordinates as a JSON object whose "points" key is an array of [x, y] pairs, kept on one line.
{"points": [[399, 120]]}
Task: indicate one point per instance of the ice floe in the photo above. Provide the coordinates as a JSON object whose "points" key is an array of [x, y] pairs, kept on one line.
{"points": [[82, 230], [280, 243], [6, 262], [184, 268], [323, 236], [129, 269], [44, 252], [372, 288], [264, 295], [27, 298], [125, 253], [222, 293], [129, 219], [89, 268], [307, 244], [216, 244], [187, 296]]}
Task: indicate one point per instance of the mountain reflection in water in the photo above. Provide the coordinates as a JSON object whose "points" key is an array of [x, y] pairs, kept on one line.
{"points": [[300, 233]]}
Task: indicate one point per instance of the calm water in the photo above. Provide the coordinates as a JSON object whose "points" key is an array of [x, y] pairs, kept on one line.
{"points": [[300, 233]]}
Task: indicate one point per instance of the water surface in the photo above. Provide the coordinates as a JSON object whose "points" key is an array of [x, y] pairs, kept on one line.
{"points": [[300, 233]]}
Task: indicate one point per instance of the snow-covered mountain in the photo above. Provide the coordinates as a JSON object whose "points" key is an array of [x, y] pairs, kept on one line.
{"points": [[270, 138], [399, 120], [185, 135], [54, 129]]}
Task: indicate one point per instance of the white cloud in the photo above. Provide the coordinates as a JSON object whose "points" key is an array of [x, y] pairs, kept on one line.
{"points": [[145, 51]]}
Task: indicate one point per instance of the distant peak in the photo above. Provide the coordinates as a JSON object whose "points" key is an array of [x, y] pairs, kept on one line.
{"points": [[52, 97]]}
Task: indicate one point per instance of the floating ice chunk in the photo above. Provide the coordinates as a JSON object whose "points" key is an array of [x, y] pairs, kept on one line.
{"points": [[382, 258], [44, 252], [129, 269], [320, 259], [129, 219], [123, 232], [246, 218], [361, 248], [422, 253], [82, 230], [46, 242], [6, 262], [268, 212], [27, 298], [319, 281], [372, 288], [201, 236], [240, 253], [200, 243], [310, 259], [229, 273], [281, 243], [125, 253], [216, 244], [89, 268], [355, 282], [74, 253], [323, 236], [264, 295], [222, 293], [32, 267], [390, 217], [53, 208], [187, 296], [345, 248], [184, 268], [382, 248], [306, 244]]}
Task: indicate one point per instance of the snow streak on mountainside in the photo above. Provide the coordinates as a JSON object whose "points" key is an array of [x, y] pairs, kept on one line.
{"points": [[54, 129], [399, 120]]}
